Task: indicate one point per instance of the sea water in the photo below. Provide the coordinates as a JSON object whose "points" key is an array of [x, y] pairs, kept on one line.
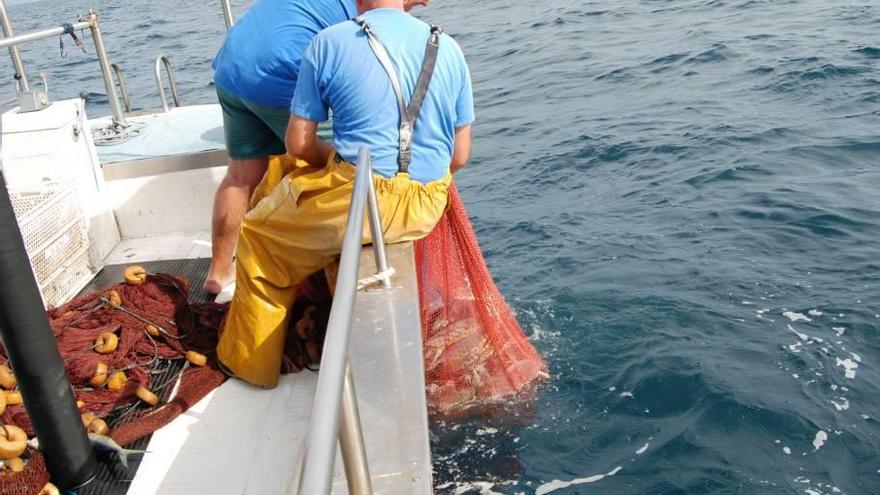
{"points": [[680, 201]]}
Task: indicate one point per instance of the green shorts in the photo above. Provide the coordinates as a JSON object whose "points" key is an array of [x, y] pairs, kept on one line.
{"points": [[252, 130]]}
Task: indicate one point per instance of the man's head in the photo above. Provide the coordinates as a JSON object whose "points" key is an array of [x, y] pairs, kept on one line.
{"points": [[367, 5]]}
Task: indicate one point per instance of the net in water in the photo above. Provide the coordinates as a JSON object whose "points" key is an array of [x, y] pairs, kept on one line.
{"points": [[476, 353]]}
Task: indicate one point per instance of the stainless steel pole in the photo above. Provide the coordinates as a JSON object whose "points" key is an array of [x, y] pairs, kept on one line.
{"points": [[38, 35], [324, 428], [227, 13], [376, 227], [13, 49], [351, 441], [101, 51]]}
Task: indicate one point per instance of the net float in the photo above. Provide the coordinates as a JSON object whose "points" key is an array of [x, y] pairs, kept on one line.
{"points": [[49, 489], [196, 358], [13, 441], [117, 381], [7, 378], [106, 343], [113, 298], [147, 396], [16, 465], [305, 329], [98, 427], [135, 275], [100, 375], [13, 398], [87, 419]]}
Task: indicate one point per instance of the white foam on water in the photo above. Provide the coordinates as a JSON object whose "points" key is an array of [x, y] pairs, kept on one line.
{"points": [[820, 439], [865, 416], [485, 488], [612, 389], [849, 367], [643, 449], [856, 357], [786, 450], [810, 491], [791, 315], [814, 312], [748, 303], [839, 330], [843, 406], [487, 431], [554, 485], [627, 394], [801, 336]]}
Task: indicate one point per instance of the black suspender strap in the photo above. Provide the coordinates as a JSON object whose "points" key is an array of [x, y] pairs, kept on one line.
{"points": [[409, 114]]}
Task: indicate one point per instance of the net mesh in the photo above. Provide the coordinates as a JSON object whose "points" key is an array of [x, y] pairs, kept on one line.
{"points": [[183, 326], [476, 353]]}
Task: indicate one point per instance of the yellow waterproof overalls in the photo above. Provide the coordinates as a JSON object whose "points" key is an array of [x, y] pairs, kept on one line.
{"points": [[296, 227]]}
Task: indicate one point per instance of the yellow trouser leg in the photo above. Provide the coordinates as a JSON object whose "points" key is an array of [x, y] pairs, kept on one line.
{"points": [[295, 229]]}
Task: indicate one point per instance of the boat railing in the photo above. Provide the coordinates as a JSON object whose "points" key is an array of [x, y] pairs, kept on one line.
{"points": [[161, 61], [335, 412], [90, 22], [120, 80], [227, 13]]}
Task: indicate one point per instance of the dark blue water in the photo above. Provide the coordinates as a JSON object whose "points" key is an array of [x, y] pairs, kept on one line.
{"points": [[680, 200]]}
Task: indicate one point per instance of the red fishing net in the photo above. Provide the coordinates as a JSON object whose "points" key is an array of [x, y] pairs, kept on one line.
{"points": [[179, 327], [476, 353]]}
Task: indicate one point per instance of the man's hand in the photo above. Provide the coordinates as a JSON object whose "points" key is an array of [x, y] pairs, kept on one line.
{"points": [[303, 142], [409, 4]]}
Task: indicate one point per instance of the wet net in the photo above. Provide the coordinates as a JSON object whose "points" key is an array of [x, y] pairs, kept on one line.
{"points": [[476, 353]]}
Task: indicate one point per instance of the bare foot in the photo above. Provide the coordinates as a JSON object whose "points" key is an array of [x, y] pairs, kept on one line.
{"points": [[218, 278]]}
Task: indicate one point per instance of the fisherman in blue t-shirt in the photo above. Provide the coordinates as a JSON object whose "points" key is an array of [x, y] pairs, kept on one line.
{"points": [[396, 86], [255, 73]]}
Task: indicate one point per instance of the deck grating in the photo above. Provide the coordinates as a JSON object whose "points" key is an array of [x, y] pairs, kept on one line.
{"points": [[113, 478]]}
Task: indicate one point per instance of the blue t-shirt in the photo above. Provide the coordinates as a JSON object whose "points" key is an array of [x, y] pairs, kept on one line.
{"points": [[259, 61], [340, 72]]}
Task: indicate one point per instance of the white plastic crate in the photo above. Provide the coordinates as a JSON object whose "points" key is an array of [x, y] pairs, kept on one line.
{"points": [[67, 281], [55, 235]]}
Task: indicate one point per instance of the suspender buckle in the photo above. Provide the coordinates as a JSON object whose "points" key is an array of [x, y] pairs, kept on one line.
{"points": [[406, 135]]}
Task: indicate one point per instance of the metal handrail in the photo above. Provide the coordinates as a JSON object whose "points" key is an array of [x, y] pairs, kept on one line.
{"points": [[227, 13], [126, 102], [90, 21], [172, 82], [334, 414], [13, 49]]}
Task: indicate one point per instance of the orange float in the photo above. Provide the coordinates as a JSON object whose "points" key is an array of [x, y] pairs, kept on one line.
{"points": [[135, 275]]}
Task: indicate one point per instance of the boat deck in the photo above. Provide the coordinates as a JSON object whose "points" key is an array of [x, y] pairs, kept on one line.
{"points": [[180, 131], [242, 440]]}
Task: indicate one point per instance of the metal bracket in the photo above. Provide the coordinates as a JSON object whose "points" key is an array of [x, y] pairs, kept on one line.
{"points": [[35, 99]]}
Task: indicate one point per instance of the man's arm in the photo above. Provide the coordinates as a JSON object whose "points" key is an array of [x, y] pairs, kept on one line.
{"points": [[461, 151], [303, 142], [409, 4]]}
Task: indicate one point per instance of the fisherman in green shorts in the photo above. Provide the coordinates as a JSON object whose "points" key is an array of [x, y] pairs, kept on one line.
{"points": [[255, 73]]}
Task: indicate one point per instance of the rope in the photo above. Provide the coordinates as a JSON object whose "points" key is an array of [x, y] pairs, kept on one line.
{"points": [[68, 29], [374, 279]]}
